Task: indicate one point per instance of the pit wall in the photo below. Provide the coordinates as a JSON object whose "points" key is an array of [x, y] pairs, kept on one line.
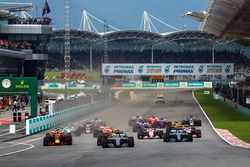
{"points": [[162, 85], [40, 123]]}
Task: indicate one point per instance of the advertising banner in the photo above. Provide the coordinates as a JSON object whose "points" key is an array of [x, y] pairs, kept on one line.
{"points": [[128, 84], [167, 69], [149, 84], [171, 84]]}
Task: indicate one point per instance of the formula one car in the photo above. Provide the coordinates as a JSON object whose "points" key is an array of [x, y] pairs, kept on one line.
{"points": [[140, 126], [160, 98], [135, 120], [103, 131], [176, 124], [149, 133], [118, 139], [192, 121], [57, 137], [177, 135], [190, 129], [74, 130], [158, 122], [89, 127]]}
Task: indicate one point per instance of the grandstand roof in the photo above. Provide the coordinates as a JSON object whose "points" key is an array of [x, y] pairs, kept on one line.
{"points": [[229, 18], [6, 9], [74, 33], [5, 15], [140, 35]]}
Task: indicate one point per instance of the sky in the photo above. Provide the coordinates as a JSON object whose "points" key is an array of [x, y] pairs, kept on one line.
{"points": [[123, 14]]}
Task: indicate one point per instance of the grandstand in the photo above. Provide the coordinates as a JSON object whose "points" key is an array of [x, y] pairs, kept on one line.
{"points": [[23, 41], [139, 46]]}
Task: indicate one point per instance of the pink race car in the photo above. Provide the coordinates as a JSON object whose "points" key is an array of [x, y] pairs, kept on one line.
{"points": [[149, 133]]}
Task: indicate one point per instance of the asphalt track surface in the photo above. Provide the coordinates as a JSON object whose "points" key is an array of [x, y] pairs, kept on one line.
{"points": [[209, 151]]}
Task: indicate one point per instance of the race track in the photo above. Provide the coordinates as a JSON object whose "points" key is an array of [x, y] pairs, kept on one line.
{"points": [[209, 151]]}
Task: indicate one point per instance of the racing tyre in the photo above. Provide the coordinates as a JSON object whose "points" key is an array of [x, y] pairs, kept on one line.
{"points": [[160, 134], [190, 138], [95, 133], [184, 122], [99, 140], [104, 142], [140, 135], [47, 135], [131, 142], [68, 139], [198, 132], [198, 123], [166, 137], [46, 141], [169, 124]]}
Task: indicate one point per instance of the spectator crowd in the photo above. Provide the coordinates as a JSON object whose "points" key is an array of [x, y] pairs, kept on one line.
{"points": [[80, 59], [39, 21], [14, 45]]}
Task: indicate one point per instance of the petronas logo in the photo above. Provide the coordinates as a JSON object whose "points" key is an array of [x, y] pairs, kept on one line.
{"points": [[167, 69], [106, 70], [228, 69], [140, 69], [201, 69]]}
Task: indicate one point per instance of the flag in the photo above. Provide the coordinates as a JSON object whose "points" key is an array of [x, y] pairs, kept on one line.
{"points": [[46, 8]]}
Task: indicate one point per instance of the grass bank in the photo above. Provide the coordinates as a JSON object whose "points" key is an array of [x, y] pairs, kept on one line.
{"points": [[224, 116]]}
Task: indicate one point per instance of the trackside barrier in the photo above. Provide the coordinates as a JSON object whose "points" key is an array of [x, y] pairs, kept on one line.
{"points": [[240, 108], [41, 123]]}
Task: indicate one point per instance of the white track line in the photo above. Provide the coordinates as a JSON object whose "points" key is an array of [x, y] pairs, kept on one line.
{"points": [[5, 134], [210, 120], [14, 152]]}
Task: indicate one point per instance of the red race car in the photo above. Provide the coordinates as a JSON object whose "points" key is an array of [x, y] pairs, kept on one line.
{"points": [[57, 137]]}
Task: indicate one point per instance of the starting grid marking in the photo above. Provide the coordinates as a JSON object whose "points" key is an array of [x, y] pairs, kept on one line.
{"points": [[233, 140]]}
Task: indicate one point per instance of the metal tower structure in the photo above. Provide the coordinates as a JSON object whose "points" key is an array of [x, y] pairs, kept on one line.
{"points": [[147, 25], [66, 44], [146, 22], [87, 25], [105, 50], [67, 37]]}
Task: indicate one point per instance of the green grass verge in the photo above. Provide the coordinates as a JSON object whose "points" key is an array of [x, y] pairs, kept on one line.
{"points": [[71, 91], [224, 116]]}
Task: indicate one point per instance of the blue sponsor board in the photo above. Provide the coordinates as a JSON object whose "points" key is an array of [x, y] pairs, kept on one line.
{"points": [[171, 84], [183, 69], [128, 84], [195, 84], [149, 84]]}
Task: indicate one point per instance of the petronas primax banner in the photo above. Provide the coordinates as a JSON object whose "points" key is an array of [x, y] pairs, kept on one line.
{"points": [[223, 69]]}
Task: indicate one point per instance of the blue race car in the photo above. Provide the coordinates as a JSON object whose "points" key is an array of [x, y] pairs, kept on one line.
{"points": [[118, 139]]}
